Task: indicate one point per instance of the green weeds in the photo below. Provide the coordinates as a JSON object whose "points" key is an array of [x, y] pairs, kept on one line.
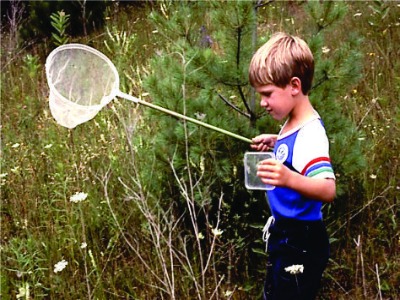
{"points": [[81, 216]]}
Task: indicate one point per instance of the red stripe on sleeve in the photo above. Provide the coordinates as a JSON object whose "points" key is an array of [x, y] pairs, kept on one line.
{"points": [[314, 161]]}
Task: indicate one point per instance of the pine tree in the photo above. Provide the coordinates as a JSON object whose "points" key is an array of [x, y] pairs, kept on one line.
{"points": [[203, 73]]}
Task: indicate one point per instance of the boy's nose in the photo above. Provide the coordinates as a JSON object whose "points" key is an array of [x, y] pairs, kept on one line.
{"points": [[264, 102]]}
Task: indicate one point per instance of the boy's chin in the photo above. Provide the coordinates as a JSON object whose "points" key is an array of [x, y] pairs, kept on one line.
{"points": [[278, 118]]}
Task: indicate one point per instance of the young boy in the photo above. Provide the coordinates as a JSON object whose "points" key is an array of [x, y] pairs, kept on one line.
{"points": [[281, 71]]}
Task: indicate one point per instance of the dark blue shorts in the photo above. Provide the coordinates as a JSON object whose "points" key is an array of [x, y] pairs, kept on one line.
{"points": [[294, 242]]}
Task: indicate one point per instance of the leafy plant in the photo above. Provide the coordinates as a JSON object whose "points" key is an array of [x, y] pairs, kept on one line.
{"points": [[60, 22], [32, 65]]}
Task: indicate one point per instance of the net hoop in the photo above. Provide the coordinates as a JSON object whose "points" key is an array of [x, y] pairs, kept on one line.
{"points": [[60, 106]]}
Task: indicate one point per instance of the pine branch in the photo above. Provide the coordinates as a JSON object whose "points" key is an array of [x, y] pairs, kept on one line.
{"points": [[239, 36], [250, 113], [230, 104], [230, 83], [321, 81], [260, 3]]}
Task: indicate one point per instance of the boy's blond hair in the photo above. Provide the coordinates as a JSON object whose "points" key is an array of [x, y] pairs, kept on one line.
{"points": [[280, 59]]}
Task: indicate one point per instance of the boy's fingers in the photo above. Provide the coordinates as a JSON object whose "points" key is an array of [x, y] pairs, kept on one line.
{"points": [[268, 161], [259, 147], [265, 169], [262, 146]]}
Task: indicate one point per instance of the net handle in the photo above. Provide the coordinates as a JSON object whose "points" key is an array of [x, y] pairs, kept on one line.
{"points": [[178, 115]]}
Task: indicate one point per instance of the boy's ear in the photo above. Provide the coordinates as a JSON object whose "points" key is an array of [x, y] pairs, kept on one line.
{"points": [[295, 83]]}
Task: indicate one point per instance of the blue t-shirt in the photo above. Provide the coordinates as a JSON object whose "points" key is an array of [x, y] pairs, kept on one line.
{"points": [[305, 150]]}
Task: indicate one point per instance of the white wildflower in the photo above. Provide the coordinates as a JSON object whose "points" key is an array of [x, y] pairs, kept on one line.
{"points": [[325, 50], [200, 116], [372, 176], [103, 139], [25, 223], [200, 236], [48, 146], [16, 145], [2, 175], [228, 293], [58, 267], [78, 197], [216, 231], [23, 292], [295, 269], [83, 245], [15, 170]]}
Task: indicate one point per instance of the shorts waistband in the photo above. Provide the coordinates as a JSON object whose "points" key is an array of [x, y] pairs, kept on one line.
{"points": [[294, 223]]}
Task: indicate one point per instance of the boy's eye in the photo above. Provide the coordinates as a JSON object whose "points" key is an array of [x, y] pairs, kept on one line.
{"points": [[268, 94]]}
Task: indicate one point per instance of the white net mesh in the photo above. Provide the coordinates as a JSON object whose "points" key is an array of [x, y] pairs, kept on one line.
{"points": [[82, 81]]}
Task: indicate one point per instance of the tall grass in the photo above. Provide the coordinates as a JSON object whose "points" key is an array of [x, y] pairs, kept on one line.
{"points": [[120, 241]]}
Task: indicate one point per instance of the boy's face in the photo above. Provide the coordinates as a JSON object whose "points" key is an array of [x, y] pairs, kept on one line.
{"points": [[278, 102]]}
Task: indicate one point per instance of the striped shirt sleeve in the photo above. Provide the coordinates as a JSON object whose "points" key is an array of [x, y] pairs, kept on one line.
{"points": [[311, 152]]}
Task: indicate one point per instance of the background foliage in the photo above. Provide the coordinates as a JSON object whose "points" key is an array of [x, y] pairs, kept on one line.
{"points": [[166, 213]]}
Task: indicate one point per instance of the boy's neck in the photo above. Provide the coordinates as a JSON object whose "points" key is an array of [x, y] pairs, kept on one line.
{"points": [[301, 113]]}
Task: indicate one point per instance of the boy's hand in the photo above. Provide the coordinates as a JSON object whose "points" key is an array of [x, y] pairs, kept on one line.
{"points": [[273, 172], [264, 142]]}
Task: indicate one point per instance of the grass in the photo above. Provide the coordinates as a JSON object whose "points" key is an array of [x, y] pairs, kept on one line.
{"points": [[113, 240]]}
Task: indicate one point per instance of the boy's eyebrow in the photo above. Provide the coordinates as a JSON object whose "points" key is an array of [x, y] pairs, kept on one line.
{"points": [[266, 91]]}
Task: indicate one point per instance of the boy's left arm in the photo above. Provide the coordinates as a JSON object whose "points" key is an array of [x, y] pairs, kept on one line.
{"points": [[274, 173]]}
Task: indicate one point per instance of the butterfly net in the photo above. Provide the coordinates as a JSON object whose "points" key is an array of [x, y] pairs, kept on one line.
{"points": [[82, 81]]}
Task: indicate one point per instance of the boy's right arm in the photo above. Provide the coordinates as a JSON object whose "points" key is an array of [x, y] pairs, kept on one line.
{"points": [[264, 142]]}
